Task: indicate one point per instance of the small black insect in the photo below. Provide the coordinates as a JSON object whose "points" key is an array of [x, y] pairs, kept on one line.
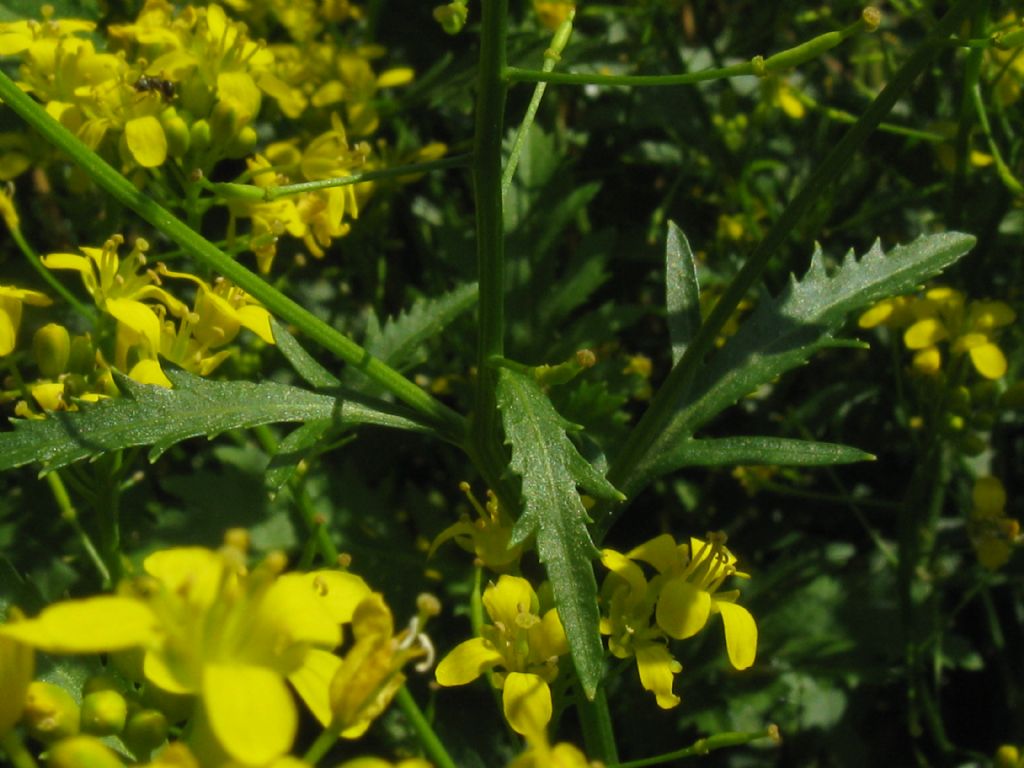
{"points": [[150, 84]]}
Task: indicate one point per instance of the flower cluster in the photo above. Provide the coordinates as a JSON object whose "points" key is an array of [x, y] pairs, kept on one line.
{"points": [[188, 88], [487, 537], [943, 316], [199, 623], [640, 615]]}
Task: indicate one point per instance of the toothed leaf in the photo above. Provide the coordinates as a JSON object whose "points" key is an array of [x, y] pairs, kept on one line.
{"points": [[151, 415], [551, 469]]}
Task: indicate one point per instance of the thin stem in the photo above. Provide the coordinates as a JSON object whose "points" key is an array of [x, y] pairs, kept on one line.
{"points": [[703, 746], [316, 525], [50, 279], [320, 747], [490, 234], [596, 720], [432, 745], [251, 192], [657, 419], [15, 748], [551, 56], [70, 514], [448, 422]]}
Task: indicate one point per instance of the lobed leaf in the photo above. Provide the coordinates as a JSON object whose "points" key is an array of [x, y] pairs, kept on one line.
{"points": [[151, 415], [551, 469]]}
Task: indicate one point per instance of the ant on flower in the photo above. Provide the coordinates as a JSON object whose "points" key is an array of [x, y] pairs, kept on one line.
{"points": [[151, 84]]}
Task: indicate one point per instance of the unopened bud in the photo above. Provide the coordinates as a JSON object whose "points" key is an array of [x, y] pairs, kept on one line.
{"points": [[200, 135], [104, 713], [243, 143], [51, 348], [177, 132], [82, 752], [145, 731], [451, 17], [50, 712]]}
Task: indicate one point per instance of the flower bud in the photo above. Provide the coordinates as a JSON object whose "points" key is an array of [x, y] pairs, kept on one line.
{"points": [[82, 357], [451, 17], [1007, 756], [200, 136], [51, 348], [82, 752], [104, 713], [145, 731], [50, 712], [177, 132], [224, 123], [243, 143]]}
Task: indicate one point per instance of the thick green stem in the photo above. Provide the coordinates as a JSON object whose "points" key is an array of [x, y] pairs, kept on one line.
{"points": [[449, 423], [490, 127], [673, 392]]}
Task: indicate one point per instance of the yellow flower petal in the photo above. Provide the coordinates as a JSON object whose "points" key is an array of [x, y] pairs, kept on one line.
{"points": [[292, 613], [657, 672], [928, 361], [989, 360], [194, 573], [740, 634], [94, 625], [683, 609], [239, 90], [339, 591], [393, 77], [526, 700], [17, 664], [149, 372], [466, 662], [250, 711], [257, 320], [925, 333], [662, 552], [312, 681], [146, 141], [511, 596], [138, 317]]}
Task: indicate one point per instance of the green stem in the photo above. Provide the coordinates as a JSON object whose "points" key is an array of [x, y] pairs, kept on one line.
{"points": [[50, 279], [490, 110], [14, 747], [598, 734], [551, 56], [658, 417], [320, 747], [703, 746], [296, 484], [756, 67], [70, 514], [447, 421], [251, 192], [432, 745]]}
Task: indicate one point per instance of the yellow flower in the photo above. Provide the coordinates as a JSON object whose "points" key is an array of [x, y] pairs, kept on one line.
{"points": [[119, 288], [487, 537], [944, 315], [630, 602], [993, 534], [896, 312], [7, 210], [688, 595], [11, 301], [522, 642], [17, 664], [212, 628]]}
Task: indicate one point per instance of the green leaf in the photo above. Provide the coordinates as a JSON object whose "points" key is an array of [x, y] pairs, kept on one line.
{"points": [[713, 452], [293, 449], [682, 292], [399, 343], [304, 364], [551, 468], [152, 415], [784, 331]]}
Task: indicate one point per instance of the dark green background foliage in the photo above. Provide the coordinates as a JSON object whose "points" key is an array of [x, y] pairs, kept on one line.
{"points": [[602, 173]]}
